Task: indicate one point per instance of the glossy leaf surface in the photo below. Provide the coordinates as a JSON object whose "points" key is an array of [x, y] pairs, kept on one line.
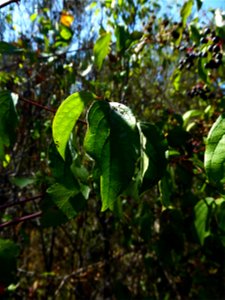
{"points": [[215, 153], [66, 117], [186, 11], [101, 49], [8, 117], [112, 140]]}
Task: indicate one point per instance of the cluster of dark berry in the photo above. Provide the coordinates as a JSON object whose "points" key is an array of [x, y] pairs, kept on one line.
{"points": [[210, 47], [214, 48], [189, 59], [200, 90]]}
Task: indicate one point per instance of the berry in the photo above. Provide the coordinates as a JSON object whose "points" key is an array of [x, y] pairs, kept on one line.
{"points": [[215, 39], [212, 64], [216, 48], [206, 31], [182, 48], [210, 48], [218, 63], [203, 40], [175, 34], [203, 54], [219, 56], [204, 96]]}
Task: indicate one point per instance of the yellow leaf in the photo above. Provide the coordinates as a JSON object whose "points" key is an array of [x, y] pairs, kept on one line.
{"points": [[66, 19]]}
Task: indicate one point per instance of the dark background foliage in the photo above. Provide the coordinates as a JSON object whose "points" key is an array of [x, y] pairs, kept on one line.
{"points": [[164, 239]]}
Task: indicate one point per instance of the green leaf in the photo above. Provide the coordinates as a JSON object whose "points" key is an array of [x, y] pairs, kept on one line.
{"points": [[66, 33], [220, 213], [51, 214], [176, 79], [7, 48], [102, 48], [188, 115], [202, 71], [165, 190], [8, 254], [186, 11], [123, 38], [215, 154], [8, 122], [112, 140], [68, 200], [33, 17], [22, 181], [153, 161], [199, 4], [195, 35], [66, 118], [202, 209]]}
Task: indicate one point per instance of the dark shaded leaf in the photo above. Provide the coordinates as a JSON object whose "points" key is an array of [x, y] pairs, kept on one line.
{"points": [[8, 255], [112, 140]]}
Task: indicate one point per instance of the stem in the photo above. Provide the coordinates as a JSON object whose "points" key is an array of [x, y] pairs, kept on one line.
{"points": [[44, 107], [21, 219], [36, 104], [9, 2]]}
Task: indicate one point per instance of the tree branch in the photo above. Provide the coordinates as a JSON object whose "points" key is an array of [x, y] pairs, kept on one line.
{"points": [[21, 219], [36, 104], [9, 2]]}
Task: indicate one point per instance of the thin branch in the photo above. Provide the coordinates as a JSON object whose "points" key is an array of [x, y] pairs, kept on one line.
{"points": [[44, 107], [4, 206], [9, 2], [36, 104], [21, 219]]}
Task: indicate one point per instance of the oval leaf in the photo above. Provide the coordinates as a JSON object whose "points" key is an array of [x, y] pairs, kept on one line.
{"points": [[153, 160], [202, 209], [68, 200], [186, 11], [101, 49], [112, 140], [215, 153], [8, 122], [67, 116]]}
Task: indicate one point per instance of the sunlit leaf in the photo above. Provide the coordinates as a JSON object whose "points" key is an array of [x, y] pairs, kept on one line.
{"points": [[67, 116], [215, 154], [66, 33], [8, 122], [188, 115], [102, 48], [186, 11], [112, 140], [33, 17], [176, 79]]}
